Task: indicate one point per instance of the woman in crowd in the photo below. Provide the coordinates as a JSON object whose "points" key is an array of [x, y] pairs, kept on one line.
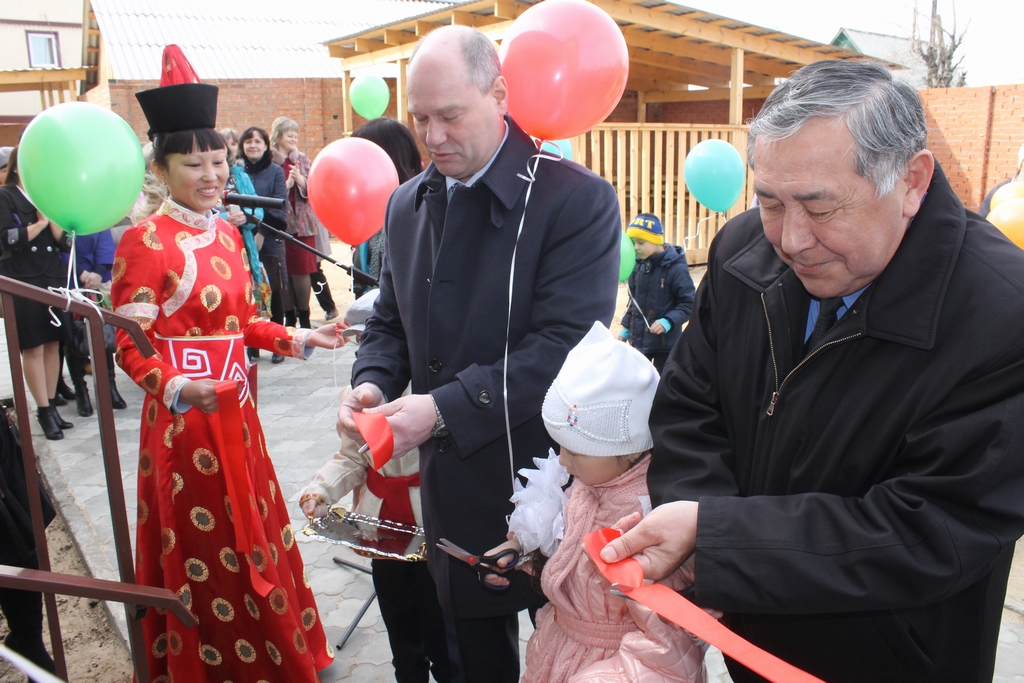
{"points": [[268, 181], [212, 522], [230, 136], [152, 195], [94, 257], [302, 223], [399, 143], [31, 247], [239, 182]]}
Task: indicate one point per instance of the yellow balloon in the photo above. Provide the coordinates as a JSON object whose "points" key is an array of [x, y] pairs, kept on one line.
{"points": [[1009, 217], [1006, 192]]}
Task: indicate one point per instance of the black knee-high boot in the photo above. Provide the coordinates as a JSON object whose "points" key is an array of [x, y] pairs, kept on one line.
{"points": [[82, 400], [304, 319], [289, 318], [64, 392], [115, 397]]}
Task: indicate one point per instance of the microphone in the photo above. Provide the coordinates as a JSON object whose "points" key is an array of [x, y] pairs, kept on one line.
{"points": [[252, 201]]}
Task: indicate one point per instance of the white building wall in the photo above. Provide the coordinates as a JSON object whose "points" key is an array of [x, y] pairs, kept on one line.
{"points": [[63, 17]]}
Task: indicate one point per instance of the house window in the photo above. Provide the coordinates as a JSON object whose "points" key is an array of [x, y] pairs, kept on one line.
{"points": [[42, 50]]}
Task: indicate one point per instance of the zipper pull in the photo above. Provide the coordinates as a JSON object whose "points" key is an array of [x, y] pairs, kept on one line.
{"points": [[771, 405]]}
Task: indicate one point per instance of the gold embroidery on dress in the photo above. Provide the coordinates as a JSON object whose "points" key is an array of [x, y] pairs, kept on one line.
{"points": [[222, 609]]}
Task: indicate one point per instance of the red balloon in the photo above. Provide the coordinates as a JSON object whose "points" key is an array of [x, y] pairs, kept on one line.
{"points": [[349, 185], [566, 64]]}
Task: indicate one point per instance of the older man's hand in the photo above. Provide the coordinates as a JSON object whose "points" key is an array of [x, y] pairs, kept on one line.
{"points": [[412, 418], [364, 396], [661, 542]]}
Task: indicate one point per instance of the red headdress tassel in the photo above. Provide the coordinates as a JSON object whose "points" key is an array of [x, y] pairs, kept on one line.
{"points": [[176, 69]]}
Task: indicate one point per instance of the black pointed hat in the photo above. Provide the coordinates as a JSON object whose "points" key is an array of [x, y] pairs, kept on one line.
{"points": [[181, 102]]}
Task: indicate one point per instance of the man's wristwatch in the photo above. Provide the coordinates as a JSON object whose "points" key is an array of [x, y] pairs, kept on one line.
{"points": [[440, 429]]}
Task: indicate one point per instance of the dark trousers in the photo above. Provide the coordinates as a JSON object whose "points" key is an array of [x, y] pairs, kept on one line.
{"points": [[658, 359], [484, 650], [24, 613], [272, 257], [416, 630], [323, 293]]}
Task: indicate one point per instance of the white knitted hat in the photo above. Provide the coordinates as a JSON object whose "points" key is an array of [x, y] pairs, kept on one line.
{"points": [[600, 401]]}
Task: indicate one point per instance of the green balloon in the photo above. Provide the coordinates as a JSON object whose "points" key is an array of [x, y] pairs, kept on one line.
{"points": [[370, 96], [82, 166], [627, 258]]}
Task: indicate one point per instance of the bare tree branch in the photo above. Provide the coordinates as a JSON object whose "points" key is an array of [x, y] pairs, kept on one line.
{"points": [[939, 52]]}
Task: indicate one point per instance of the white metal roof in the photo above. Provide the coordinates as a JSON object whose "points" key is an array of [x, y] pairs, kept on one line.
{"points": [[229, 39]]}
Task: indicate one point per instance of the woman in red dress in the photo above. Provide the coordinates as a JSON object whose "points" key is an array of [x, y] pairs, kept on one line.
{"points": [[212, 521]]}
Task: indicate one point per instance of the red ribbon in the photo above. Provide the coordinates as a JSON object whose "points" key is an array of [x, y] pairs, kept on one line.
{"points": [[376, 432], [628, 577], [395, 507], [227, 426], [394, 492]]}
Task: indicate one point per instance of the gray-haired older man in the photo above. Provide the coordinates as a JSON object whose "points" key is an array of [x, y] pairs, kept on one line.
{"points": [[838, 448]]}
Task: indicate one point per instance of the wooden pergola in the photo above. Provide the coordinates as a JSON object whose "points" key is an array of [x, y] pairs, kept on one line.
{"points": [[671, 48], [54, 85]]}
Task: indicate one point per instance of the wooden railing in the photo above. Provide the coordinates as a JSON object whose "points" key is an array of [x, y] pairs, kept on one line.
{"points": [[644, 162], [134, 597]]}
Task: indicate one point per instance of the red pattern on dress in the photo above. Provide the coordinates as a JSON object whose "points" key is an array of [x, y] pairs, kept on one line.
{"points": [[185, 539]]}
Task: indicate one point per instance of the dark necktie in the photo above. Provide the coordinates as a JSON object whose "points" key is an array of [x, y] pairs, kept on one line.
{"points": [[826, 319]]}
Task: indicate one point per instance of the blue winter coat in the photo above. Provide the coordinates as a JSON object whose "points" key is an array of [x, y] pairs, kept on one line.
{"points": [[661, 287]]}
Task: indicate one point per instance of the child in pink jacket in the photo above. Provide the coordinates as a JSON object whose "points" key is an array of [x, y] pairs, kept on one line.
{"points": [[597, 411]]}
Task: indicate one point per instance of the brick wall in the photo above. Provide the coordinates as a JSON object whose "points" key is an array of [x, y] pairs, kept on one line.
{"points": [[10, 133], [975, 134], [714, 111], [313, 103]]}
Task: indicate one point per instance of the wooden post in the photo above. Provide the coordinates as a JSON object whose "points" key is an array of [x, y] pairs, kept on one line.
{"points": [[346, 102], [641, 107], [736, 88], [401, 105]]}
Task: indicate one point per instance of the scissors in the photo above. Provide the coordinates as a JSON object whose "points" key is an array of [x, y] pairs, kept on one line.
{"points": [[485, 564]]}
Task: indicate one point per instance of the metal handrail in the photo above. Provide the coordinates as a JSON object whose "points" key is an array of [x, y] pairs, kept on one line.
{"points": [[133, 596]]}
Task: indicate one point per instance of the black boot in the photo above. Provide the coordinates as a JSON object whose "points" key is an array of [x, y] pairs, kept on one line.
{"points": [[115, 398], [77, 368], [304, 319], [64, 392], [289, 318], [61, 422], [24, 612], [48, 421]]}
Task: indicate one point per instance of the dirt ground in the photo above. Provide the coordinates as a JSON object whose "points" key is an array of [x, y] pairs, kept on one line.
{"points": [[93, 651]]}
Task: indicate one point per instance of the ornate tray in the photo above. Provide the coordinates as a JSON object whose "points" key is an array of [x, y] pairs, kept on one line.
{"points": [[370, 536]]}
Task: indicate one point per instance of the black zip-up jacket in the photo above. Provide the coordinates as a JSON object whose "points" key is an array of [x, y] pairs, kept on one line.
{"points": [[661, 287], [858, 507]]}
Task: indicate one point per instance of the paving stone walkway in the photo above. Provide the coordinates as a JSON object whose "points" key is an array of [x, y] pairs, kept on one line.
{"points": [[297, 406]]}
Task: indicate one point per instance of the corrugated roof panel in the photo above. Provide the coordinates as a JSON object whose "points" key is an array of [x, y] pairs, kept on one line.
{"points": [[263, 39]]}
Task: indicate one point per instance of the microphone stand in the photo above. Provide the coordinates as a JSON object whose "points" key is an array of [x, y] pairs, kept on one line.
{"points": [[357, 275]]}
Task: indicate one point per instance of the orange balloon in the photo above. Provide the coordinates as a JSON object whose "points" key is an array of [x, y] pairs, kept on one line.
{"points": [[1008, 191], [349, 185], [1009, 218], [566, 65]]}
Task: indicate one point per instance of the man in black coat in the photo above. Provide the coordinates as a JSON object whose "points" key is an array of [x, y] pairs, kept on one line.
{"points": [[848, 493], [452, 235]]}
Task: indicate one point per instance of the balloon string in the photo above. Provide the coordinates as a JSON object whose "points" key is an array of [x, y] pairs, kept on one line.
{"points": [[72, 273], [696, 233], [530, 177]]}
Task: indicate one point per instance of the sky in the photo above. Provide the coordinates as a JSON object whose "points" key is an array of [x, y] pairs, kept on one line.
{"points": [[990, 48]]}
